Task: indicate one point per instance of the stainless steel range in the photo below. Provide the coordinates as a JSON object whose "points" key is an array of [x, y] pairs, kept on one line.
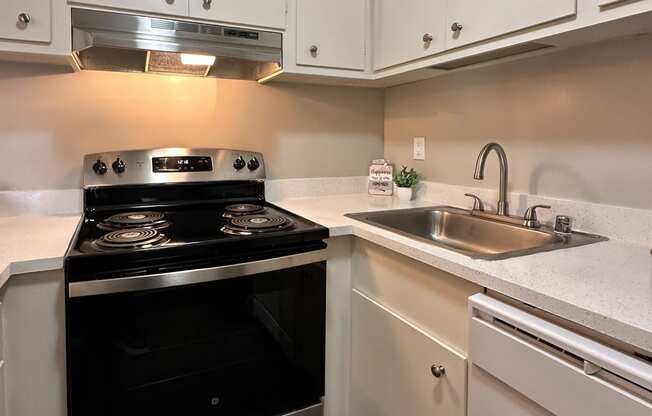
{"points": [[189, 293]]}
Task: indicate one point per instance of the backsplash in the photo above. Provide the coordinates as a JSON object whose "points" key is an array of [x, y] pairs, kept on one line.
{"points": [[51, 118]]}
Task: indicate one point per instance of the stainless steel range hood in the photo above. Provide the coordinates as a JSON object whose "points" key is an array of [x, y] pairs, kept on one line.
{"points": [[129, 43]]}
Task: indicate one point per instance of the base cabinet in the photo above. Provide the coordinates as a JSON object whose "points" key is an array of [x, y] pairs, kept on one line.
{"points": [[392, 366], [26, 20], [34, 340]]}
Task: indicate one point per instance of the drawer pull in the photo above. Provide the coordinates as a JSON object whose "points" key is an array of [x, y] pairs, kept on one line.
{"points": [[438, 370], [207, 4]]}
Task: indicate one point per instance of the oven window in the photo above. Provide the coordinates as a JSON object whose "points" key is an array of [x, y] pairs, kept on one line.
{"points": [[246, 346]]}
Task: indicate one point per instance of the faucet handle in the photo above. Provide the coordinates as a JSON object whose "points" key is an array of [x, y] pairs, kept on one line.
{"points": [[477, 202], [530, 217]]}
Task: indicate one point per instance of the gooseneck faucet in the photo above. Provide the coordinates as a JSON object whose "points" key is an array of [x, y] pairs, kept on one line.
{"points": [[503, 208]]}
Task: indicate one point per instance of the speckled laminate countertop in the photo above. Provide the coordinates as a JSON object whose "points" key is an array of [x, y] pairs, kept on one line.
{"points": [[34, 243], [606, 286]]}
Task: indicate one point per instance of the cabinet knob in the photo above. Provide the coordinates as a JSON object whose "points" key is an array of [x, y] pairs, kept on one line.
{"points": [[169, 1], [456, 27], [313, 50], [438, 370], [207, 4], [24, 18], [427, 38]]}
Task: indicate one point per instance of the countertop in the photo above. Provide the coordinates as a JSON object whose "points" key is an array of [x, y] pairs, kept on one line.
{"points": [[605, 286], [34, 243]]}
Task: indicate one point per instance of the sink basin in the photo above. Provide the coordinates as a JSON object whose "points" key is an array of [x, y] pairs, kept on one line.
{"points": [[477, 237]]}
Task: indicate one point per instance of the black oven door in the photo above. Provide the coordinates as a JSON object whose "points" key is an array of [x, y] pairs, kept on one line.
{"points": [[248, 345]]}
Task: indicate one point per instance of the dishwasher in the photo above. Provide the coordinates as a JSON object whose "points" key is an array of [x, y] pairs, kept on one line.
{"points": [[524, 365]]}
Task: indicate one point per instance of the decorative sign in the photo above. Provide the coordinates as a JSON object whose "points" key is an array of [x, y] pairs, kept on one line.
{"points": [[381, 174]]}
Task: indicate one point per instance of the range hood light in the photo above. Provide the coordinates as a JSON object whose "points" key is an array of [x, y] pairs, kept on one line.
{"points": [[201, 60]]}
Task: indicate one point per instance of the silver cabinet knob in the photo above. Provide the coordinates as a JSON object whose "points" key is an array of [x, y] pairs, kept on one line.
{"points": [[456, 27], [207, 4], [313, 50], [438, 370], [24, 18], [427, 38], [169, 1]]}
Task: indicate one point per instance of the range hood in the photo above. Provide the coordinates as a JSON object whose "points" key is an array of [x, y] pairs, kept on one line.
{"points": [[130, 43]]}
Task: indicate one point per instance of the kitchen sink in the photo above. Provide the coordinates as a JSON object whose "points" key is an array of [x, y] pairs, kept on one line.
{"points": [[470, 234]]}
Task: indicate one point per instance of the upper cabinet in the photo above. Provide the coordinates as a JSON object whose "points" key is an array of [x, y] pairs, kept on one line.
{"points": [[332, 33], [172, 7], [405, 32], [263, 13], [471, 21], [26, 20]]}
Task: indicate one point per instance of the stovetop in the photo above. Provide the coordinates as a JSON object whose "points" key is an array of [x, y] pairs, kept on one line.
{"points": [[190, 236], [186, 226]]}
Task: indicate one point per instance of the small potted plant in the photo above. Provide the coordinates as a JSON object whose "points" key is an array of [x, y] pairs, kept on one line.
{"points": [[405, 181]]}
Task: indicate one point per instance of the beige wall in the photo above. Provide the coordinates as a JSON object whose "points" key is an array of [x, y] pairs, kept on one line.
{"points": [[575, 124], [48, 120]]}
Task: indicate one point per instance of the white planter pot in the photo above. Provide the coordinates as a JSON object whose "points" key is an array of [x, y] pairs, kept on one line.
{"points": [[404, 194]]}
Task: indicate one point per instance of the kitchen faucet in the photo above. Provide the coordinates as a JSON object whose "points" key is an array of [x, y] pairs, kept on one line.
{"points": [[503, 208]]}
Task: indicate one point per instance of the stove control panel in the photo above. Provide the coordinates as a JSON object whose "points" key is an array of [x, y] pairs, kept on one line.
{"points": [[171, 165]]}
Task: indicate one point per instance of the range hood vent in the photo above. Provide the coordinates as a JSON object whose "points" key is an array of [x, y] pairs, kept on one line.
{"points": [[128, 43]]}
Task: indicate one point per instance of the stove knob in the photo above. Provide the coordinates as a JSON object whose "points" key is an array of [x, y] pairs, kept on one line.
{"points": [[253, 164], [119, 166], [239, 163], [99, 167]]}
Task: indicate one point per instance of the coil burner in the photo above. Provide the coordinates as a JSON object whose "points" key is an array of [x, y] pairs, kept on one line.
{"points": [[132, 238], [256, 224], [239, 210], [143, 219]]}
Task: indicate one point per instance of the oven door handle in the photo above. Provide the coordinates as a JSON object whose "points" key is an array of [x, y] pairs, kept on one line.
{"points": [[188, 277]]}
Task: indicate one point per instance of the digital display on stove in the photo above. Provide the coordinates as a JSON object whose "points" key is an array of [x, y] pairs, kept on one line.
{"points": [[182, 164]]}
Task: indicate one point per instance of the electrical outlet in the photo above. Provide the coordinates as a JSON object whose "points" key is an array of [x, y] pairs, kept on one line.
{"points": [[419, 148]]}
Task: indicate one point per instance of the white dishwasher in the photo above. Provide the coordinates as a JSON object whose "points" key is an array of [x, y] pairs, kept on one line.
{"points": [[523, 365]]}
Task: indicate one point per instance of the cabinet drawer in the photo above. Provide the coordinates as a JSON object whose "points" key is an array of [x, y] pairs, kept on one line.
{"points": [[550, 380], [391, 364], [264, 13], [171, 7], [26, 20], [488, 19]]}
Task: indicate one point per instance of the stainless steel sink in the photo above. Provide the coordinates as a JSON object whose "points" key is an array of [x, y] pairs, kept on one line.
{"points": [[477, 237]]}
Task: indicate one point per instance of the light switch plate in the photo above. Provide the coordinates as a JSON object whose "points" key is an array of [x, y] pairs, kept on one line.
{"points": [[419, 148]]}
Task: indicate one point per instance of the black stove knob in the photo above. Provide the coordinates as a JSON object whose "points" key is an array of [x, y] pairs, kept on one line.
{"points": [[253, 164], [99, 167], [239, 163], [119, 166]]}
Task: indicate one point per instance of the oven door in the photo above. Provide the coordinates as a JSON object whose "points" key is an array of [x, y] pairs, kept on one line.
{"points": [[245, 344]]}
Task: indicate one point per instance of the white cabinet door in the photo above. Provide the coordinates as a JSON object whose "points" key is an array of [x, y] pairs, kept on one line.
{"points": [[391, 362], [402, 30], [480, 20], [332, 33], [264, 13], [35, 344], [172, 7], [26, 20]]}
